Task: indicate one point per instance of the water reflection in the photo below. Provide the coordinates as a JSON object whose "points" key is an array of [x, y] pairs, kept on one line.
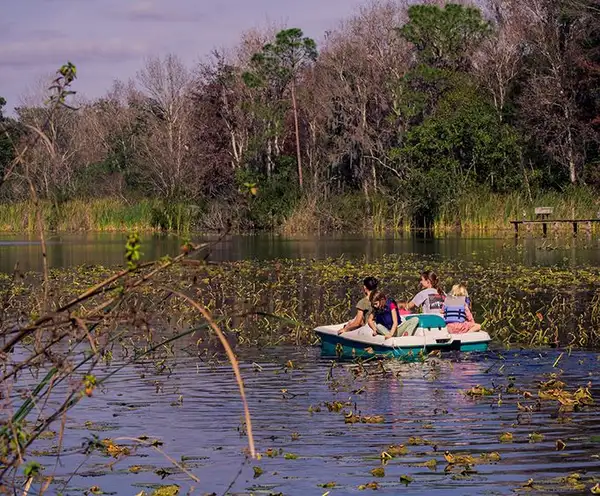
{"points": [[107, 248], [416, 400]]}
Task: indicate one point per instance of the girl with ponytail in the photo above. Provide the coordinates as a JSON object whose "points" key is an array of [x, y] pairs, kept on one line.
{"points": [[431, 298]]}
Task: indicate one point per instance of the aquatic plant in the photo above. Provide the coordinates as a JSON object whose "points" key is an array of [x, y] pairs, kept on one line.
{"points": [[265, 303], [67, 344]]}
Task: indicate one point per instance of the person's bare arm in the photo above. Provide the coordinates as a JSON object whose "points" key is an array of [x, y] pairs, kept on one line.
{"points": [[355, 323], [394, 325], [408, 305], [372, 325]]}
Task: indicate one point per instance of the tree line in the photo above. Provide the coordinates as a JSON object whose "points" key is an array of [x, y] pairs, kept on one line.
{"points": [[414, 105]]}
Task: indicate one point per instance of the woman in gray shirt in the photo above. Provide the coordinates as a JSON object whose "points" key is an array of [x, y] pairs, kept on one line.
{"points": [[431, 298]]}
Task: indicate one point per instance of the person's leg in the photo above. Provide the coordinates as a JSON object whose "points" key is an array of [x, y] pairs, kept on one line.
{"points": [[382, 330], [407, 328]]}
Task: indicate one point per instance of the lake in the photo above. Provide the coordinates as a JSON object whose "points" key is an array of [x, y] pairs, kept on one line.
{"points": [[196, 412], [187, 399], [65, 250]]}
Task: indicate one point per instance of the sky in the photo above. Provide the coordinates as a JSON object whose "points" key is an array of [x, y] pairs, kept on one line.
{"points": [[109, 39]]}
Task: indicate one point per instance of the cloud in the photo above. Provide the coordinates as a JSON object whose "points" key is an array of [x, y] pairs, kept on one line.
{"points": [[22, 54], [149, 11]]}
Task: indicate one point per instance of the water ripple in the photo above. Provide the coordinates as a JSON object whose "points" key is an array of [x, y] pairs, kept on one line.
{"points": [[196, 412]]}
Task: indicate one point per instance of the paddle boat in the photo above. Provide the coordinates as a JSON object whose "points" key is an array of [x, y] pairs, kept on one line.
{"points": [[430, 334]]}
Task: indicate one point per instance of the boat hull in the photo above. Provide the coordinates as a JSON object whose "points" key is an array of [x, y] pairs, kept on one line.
{"points": [[362, 344]]}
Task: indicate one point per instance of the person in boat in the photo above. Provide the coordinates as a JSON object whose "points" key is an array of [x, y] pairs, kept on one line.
{"points": [[385, 318], [431, 298], [457, 311], [363, 307]]}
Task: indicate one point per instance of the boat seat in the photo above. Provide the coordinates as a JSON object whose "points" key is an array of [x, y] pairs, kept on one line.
{"points": [[429, 320]]}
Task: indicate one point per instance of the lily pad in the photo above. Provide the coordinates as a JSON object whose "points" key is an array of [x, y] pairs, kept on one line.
{"points": [[171, 490]]}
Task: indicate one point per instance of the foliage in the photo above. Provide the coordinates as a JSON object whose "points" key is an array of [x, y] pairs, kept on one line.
{"points": [[402, 112], [460, 145], [270, 200], [279, 63], [445, 37]]}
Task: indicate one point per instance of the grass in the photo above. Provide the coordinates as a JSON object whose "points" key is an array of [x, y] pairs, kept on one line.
{"points": [[479, 212], [104, 214], [484, 212]]}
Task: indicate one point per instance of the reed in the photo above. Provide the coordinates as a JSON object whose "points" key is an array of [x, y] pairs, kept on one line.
{"points": [[305, 217], [103, 214], [481, 211]]}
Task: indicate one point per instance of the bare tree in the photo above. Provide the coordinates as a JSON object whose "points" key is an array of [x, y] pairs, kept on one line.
{"points": [[364, 61], [166, 85], [500, 59], [552, 93], [51, 163]]}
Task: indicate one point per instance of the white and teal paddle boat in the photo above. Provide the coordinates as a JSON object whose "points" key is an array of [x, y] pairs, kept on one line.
{"points": [[430, 334]]}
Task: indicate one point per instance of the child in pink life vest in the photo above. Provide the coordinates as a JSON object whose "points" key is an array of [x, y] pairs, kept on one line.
{"points": [[457, 311]]}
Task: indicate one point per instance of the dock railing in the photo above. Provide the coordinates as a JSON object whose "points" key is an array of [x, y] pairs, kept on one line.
{"points": [[542, 216]]}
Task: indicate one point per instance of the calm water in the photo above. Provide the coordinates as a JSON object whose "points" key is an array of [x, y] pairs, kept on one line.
{"points": [[196, 412], [107, 248], [203, 426]]}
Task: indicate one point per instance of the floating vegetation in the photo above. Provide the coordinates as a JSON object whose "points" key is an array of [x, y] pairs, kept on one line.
{"points": [[351, 418], [328, 485], [506, 437], [378, 472], [430, 464], [372, 419], [336, 406], [47, 435], [170, 490], [535, 437], [369, 485], [396, 450], [114, 450], [479, 391], [458, 459], [517, 304], [494, 456], [419, 441]]}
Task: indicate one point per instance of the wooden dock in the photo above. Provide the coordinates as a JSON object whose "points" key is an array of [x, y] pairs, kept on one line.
{"points": [[545, 222]]}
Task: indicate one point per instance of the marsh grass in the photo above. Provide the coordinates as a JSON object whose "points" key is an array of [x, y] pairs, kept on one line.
{"points": [[104, 214], [517, 304], [481, 211]]}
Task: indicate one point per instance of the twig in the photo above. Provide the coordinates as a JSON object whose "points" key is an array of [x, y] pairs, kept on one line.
{"points": [[172, 460], [232, 359], [235, 478]]}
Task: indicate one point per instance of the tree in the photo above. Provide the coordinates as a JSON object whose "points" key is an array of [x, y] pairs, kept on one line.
{"points": [[350, 101], [166, 89], [6, 146], [279, 65], [445, 37], [499, 61], [455, 137], [557, 97]]}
